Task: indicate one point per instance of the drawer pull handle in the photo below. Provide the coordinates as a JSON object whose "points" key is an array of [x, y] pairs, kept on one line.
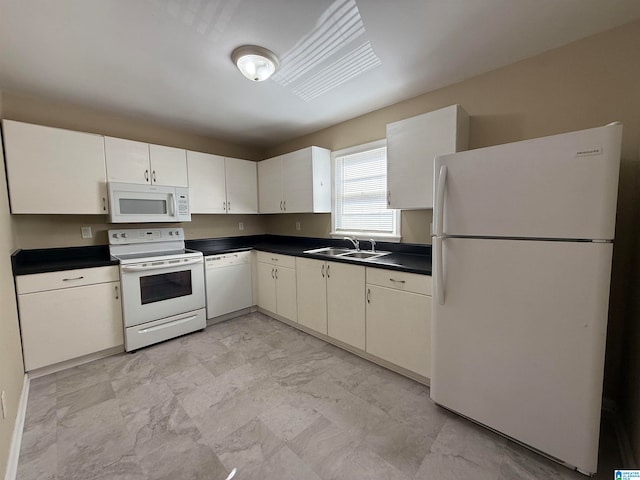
{"points": [[322, 270], [328, 276], [276, 273], [70, 279], [274, 259], [397, 281], [272, 274], [368, 295], [117, 293]]}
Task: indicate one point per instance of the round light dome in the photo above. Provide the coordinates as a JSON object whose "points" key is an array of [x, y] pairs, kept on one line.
{"points": [[255, 63]]}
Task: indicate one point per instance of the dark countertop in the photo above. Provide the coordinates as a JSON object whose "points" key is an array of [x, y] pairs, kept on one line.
{"points": [[405, 257], [25, 262]]}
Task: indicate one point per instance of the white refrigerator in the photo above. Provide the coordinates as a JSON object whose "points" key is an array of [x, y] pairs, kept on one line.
{"points": [[522, 246]]}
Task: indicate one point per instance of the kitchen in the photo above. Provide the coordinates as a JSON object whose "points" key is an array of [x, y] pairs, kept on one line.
{"points": [[540, 96]]}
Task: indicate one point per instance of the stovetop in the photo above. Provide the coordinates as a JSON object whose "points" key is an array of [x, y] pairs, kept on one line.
{"points": [[137, 245]]}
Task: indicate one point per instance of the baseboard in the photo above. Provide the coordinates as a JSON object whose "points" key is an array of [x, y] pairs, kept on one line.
{"points": [[74, 362], [16, 439], [624, 445]]}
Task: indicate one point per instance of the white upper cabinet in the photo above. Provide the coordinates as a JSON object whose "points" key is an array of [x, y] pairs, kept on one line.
{"points": [[222, 185], [296, 182], [137, 162], [242, 185], [206, 183], [127, 161], [270, 185], [54, 171], [412, 145], [168, 166]]}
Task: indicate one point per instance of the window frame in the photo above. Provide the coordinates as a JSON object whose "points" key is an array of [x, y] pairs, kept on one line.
{"points": [[396, 235]]}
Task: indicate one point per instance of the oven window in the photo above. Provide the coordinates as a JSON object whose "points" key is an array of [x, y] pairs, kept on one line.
{"points": [[136, 206], [156, 288]]}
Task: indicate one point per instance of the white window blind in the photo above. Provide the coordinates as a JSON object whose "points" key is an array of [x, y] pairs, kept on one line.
{"points": [[361, 194]]}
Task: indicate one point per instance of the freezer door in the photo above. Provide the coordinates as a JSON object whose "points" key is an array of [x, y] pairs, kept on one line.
{"points": [[564, 186], [518, 344]]}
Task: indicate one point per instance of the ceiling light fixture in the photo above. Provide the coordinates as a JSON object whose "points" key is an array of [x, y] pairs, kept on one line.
{"points": [[255, 63]]}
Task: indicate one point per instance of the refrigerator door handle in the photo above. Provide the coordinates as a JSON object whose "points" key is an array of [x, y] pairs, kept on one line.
{"points": [[439, 207], [439, 276]]}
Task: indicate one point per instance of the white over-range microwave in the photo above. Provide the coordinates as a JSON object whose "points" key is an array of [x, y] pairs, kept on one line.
{"points": [[136, 203]]}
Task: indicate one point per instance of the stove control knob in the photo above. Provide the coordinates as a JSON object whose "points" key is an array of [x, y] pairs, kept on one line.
{"points": [[123, 235], [170, 233], [177, 233], [115, 235]]}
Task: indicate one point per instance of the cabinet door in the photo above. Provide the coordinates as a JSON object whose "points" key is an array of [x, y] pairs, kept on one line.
{"points": [[59, 325], [412, 145], [312, 293], [127, 161], [270, 185], [297, 181], [286, 293], [399, 328], [266, 286], [51, 170], [242, 185], [346, 304], [206, 183], [168, 166]]}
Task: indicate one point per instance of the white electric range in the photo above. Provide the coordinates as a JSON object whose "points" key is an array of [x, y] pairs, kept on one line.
{"points": [[163, 288]]}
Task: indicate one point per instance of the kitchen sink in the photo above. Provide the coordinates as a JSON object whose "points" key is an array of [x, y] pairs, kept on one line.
{"points": [[363, 255], [347, 253], [330, 251]]}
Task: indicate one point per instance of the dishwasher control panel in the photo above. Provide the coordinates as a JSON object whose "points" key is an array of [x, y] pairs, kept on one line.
{"points": [[227, 259]]}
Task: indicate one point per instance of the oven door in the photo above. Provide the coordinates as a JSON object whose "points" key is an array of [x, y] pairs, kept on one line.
{"points": [[152, 291]]}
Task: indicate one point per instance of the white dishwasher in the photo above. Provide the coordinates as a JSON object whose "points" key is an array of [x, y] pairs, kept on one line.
{"points": [[228, 278]]}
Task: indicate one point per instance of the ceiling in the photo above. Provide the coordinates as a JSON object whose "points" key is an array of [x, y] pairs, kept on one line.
{"points": [[168, 61]]}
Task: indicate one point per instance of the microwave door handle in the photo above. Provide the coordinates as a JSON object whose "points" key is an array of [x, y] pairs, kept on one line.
{"points": [[139, 268], [172, 203]]}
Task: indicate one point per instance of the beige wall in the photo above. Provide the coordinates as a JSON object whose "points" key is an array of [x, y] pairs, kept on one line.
{"points": [[415, 225], [585, 84], [48, 231], [11, 368]]}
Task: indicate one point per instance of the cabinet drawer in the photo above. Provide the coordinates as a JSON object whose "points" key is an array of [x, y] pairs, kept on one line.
{"points": [[65, 279], [407, 282], [276, 259]]}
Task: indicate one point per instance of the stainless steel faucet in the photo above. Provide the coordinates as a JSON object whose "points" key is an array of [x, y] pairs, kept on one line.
{"points": [[373, 244], [355, 242]]}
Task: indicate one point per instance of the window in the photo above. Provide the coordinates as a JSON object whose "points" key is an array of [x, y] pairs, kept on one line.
{"points": [[360, 194]]}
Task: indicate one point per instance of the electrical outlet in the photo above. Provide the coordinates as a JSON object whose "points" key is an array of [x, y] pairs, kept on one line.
{"points": [[240, 226], [298, 226], [4, 407], [86, 232]]}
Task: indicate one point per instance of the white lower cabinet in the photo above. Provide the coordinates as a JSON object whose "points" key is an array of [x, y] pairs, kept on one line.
{"points": [[312, 294], [276, 284], [69, 314], [331, 299], [399, 319]]}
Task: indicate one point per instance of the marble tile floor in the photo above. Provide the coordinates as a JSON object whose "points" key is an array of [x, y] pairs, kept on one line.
{"points": [[276, 403]]}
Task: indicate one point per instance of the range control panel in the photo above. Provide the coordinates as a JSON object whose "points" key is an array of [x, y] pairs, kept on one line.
{"points": [[147, 235]]}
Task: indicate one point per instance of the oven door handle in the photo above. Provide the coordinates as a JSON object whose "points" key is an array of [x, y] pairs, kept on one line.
{"points": [[139, 268]]}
